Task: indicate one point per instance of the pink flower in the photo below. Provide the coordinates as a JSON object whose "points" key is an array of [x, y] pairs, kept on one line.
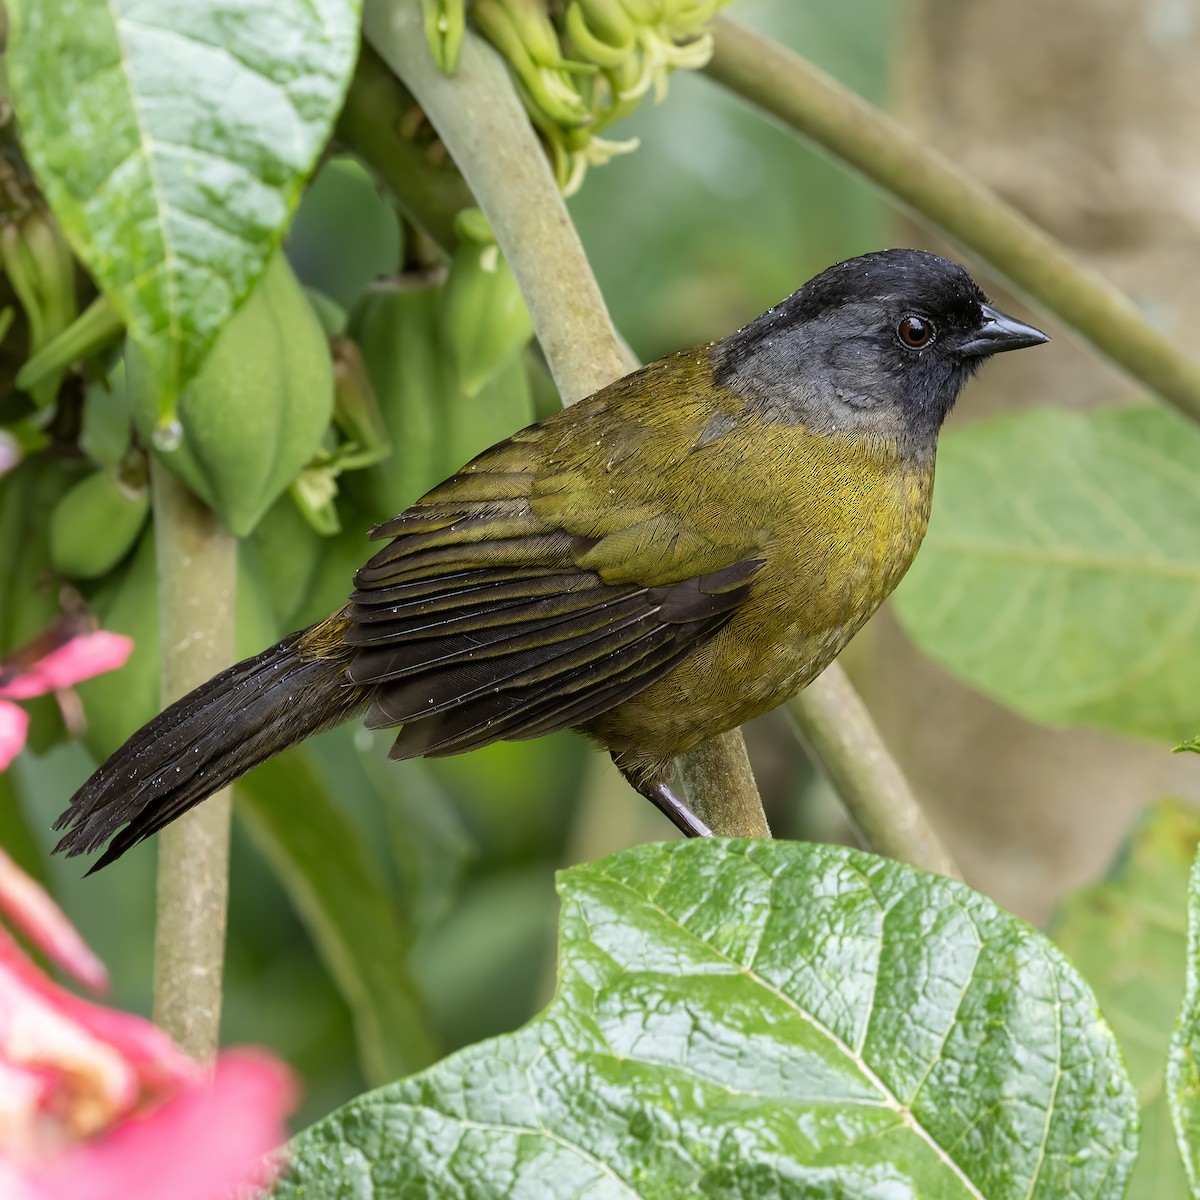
{"points": [[97, 1104], [31, 910], [60, 668], [14, 725], [195, 1146]]}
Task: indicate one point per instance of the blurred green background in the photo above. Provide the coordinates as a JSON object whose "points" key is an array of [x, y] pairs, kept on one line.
{"points": [[716, 216]]}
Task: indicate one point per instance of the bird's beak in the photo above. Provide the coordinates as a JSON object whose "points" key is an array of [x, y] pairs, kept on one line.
{"points": [[1000, 332]]}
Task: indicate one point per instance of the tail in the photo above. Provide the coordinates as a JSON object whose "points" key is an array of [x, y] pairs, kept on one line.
{"points": [[213, 736]]}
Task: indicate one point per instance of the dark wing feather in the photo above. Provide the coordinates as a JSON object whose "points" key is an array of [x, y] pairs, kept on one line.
{"points": [[480, 621], [584, 695], [545, 664], [535, 638]]}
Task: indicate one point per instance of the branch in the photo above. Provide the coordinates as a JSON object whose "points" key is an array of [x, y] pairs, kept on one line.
{"points": [[712, 771], [197, 562], [812, 104], [479, 117], [835, 724], [376, 125]]}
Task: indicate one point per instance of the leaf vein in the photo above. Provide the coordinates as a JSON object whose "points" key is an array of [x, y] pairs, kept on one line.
{"points": [[890, 1099], [1058, 1073], [520, 1131], [169, 255]]}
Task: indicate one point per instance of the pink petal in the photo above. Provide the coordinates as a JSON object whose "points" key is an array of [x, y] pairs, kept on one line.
{"points": [[100, 1064], [27, 905], [159, 1063], [87, 1084], [141, 1045], [79, 659], [15, 1183], [14, 724], [24, 1092], [207, 1139]]}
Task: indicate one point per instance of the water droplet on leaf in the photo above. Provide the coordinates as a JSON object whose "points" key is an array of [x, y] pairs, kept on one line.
{"points": [[168, 437]]}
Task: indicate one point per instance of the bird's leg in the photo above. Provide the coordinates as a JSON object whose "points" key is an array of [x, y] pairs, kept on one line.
{"points": [[654, 787], [674, 809]]}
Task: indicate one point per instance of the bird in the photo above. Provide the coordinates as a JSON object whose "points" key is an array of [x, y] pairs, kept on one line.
{"points": [[679, 552]]}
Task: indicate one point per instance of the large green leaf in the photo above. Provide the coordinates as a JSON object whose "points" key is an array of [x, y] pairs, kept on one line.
{"points": [[762, 1019], [335, 884], [172, 140], [1061, 573], [1128, 937], [1183, 1065]]}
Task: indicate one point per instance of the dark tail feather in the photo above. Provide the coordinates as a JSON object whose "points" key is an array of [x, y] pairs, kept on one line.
{"points": [[211, 737]]}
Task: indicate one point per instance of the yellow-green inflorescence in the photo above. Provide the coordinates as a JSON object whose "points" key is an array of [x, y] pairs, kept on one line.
{"points": [[580, 65]]}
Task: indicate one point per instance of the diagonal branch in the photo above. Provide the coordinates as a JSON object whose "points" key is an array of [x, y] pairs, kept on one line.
{"points": [[819, 108], [837, 728], [479, 117], [376, 125]]}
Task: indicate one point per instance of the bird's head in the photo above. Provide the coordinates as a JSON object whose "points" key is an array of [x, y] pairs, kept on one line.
{"points": [[880, 344]]}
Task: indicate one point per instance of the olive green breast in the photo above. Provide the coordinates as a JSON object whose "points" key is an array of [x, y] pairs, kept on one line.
{"points": [[835, 519]]}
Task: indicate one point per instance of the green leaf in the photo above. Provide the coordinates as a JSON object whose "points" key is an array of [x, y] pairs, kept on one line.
{"points": [[336, 887], [1061, 572], [172, 141], [762, 1019], [1183, 1063], [259, 408], [1128, 937]]}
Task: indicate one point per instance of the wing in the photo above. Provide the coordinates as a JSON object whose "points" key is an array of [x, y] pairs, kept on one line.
{"points": [[492, 615]]}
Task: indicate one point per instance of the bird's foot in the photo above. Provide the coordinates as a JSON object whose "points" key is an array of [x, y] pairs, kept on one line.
{"points": [[675, 810]]}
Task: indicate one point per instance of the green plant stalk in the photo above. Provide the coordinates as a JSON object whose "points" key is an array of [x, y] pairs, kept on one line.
{"points": [[197, 561], [836, 726], [96, 328], [372, 127], [838, 121], [711, 772], [480, 118]]}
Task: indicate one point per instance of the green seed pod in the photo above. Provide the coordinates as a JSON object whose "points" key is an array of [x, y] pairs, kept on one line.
{"points": [[97, 523], [397, 330], [501, 407], [483, 315], [287, 550], [257, 411], [107, 419], [117, 703]]}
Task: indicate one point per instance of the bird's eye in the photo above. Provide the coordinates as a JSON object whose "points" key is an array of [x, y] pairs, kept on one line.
{"points": [[915, 332]]}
